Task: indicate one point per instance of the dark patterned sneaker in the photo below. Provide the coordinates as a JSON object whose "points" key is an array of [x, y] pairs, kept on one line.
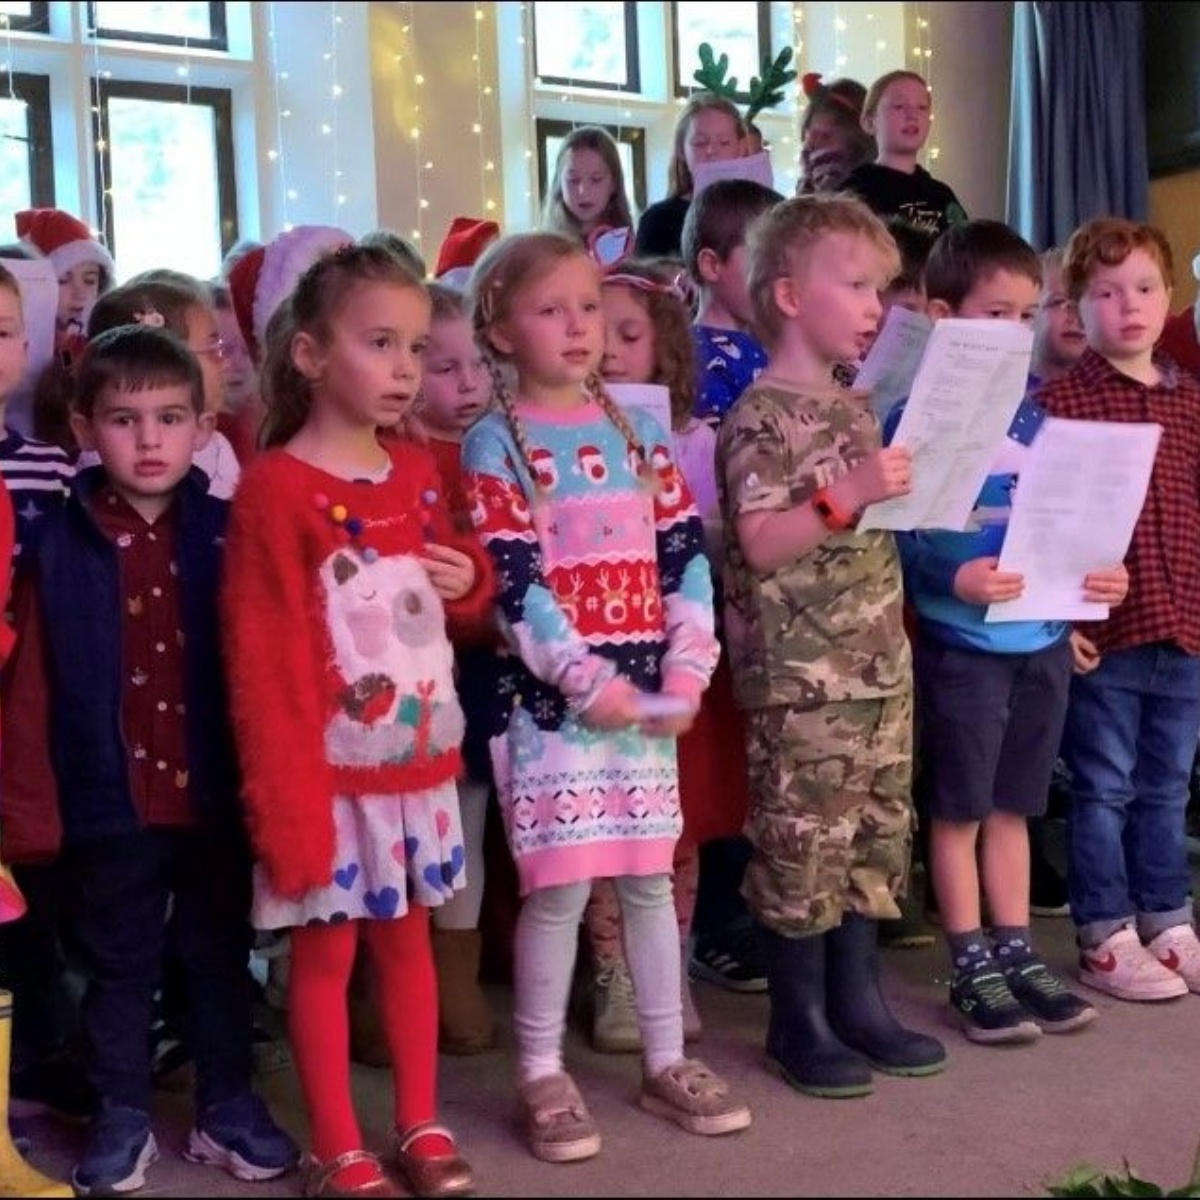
{"points": [[988, 1011], [1047, 998], [732, 959]]}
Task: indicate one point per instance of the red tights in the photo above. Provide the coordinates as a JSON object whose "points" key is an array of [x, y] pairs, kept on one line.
{"points": [[319, 1025]]}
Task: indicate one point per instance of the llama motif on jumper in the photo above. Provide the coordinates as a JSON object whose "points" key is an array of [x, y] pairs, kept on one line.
{"points": [[394, 663]]}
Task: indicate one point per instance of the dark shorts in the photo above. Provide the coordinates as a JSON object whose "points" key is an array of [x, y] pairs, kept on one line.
{"points": [[990, 726]]}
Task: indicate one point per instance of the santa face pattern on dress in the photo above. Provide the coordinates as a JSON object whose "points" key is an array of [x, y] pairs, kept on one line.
{"points": [[393, 661]]}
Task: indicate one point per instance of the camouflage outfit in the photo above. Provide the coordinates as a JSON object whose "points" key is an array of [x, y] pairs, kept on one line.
{"points": [[821, 664]]}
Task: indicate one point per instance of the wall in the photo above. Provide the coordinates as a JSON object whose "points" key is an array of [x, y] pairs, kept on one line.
{"points": [[1174, 203]]}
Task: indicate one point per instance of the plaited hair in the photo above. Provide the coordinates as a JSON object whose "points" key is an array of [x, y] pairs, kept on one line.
{"points": [[507, 266], [312, 308]]}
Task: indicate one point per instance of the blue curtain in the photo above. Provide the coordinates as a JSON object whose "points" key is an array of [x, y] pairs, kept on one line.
{"points": [[1077, 130]]}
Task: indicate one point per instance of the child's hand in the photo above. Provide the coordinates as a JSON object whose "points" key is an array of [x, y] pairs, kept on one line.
{"points": [[978, 582], [1084, 654], [882, 476], [1109, 586], [451, 572], [615, 706], [685, 689]]}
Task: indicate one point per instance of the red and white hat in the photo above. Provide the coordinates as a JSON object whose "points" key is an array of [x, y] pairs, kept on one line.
{"points": [[467, 240], [261, 280], [65, 240]]}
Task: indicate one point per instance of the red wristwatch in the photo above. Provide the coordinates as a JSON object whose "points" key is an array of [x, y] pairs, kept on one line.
{"points": [[832, 517]]}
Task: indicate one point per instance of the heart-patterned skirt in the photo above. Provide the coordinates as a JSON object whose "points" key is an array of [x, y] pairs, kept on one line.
{"points": [[391, 851]]}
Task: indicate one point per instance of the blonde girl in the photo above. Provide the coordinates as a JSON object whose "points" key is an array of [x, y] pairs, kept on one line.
{"points": [[606, 599], [587, 191], [342, 567]]}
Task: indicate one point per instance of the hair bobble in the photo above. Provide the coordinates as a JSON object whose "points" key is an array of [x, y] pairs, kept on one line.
{"points": [[150, 316]]}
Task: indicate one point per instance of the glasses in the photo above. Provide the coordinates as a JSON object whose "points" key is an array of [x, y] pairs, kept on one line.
{"points": [[219, 349]]}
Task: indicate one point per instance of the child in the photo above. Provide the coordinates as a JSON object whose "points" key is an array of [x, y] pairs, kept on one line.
{"points": [[991, 696], [124, 602], [1058, 340], [648, 340], [728, 355], [709, 129], [819, 655], [607, 603], [587, 190], [182, 305], [897, 113], [1134, 715], [348, 728], [238, 374], [456, 391], [832, 139]]}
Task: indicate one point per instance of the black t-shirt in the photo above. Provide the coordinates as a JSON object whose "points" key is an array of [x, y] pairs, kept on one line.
{"points": [[660, 231], [919, 199]]}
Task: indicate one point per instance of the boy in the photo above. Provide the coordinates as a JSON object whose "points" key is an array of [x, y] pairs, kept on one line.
{"points": [[991, 697], [1133, 720], [819, 655], [725, 951], [1058, 339], [124, 604]]}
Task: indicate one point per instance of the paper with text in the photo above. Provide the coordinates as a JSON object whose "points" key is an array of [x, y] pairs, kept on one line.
{"points": [[753, 166], [970, 382], [891, 364], [1077, 500], [652, 397]]}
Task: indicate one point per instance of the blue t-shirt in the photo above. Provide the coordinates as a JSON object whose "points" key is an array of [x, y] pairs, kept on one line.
{"points": [[931, 557], [727, 362]]}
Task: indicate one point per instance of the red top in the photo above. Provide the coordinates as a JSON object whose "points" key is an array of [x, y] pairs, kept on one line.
{"points": [[338, 663], [1179, 340], [1163, 604]]}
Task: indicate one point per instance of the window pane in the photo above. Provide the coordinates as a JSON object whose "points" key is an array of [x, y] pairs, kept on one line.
{"points": [[165, 202], [173, 21], [12, 8], [729, 28], [583, 42], [15, 186]]}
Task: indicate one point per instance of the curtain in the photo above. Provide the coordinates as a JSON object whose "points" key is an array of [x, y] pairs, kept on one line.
{"points": [[1077, 128]]}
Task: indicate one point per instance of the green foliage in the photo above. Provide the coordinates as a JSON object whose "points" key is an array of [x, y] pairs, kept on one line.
{"points": [[711, 75], [1087, 1180], [768, 91]]}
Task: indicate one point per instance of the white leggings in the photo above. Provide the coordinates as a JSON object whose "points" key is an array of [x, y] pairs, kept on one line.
{"points": [[547, 936]]}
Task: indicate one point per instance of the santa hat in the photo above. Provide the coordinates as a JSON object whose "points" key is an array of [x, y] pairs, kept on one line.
{"points": [[466, 241], [262, 279], [65, 240]]}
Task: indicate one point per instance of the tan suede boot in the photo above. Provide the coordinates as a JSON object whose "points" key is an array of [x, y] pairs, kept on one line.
{"points": [[17, 1177], [368, 1046], [465, 1022]]}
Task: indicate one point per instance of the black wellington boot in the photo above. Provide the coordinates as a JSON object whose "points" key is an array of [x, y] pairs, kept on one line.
{"points": [[800, 1044], [857, 1011]]}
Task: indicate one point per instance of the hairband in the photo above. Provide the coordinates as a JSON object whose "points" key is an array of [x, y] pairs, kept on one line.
{"points": [[814, 89], [678, 287]]}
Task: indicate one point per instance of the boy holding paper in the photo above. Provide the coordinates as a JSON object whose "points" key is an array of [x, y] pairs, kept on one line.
{"points": [[990, 697], [1133, 719]]}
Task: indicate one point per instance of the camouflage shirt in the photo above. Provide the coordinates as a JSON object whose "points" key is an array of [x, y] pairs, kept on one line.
{"points": [[828, 626]]}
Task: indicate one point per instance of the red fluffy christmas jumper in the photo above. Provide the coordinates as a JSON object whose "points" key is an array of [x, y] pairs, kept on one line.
{"points": [[288, 523]]}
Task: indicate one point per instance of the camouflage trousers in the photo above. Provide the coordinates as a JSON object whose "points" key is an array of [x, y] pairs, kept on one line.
{"points": [[830, 816]]}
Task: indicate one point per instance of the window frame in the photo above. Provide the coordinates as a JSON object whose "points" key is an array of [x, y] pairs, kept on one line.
{"points": [[633, 69], [219, 39], [35, 91], [220, 100], [633, 136], [38, 20], [682, 90]]}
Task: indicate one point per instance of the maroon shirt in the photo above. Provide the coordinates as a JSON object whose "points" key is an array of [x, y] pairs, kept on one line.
{"points": [[152, 691], [1163, 604]]}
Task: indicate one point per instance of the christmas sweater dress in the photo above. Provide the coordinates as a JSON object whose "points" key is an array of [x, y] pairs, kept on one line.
{"points": [[596, 576], [342, 694]]}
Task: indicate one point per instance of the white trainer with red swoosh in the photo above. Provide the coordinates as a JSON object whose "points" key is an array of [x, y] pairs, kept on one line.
{"points": [[1121, 966], [1178, 949]]}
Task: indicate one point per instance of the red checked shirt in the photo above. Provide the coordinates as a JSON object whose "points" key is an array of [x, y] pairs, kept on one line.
{"points": [[152, 694], [1163, 604]]}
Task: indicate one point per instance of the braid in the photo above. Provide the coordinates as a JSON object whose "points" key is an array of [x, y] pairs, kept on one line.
{"points": [[504, 398], [613, 411]]}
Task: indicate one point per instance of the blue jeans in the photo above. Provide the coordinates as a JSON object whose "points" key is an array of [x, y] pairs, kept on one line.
{"points": [[1130, 739]]}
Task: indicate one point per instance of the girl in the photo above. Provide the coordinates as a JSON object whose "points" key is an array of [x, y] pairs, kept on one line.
{"points": [[183, 306], [709, 129], [648, 340], [832, 139], [456, 391], [896, 113], [340, 555], [607, 603], [587, 192]]}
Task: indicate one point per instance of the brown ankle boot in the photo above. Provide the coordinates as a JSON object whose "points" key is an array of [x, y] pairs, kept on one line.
{"points": [[368, 1046], [465, 1022]]}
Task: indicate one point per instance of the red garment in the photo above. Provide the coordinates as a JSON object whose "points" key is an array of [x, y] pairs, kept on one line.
{"points": [[1179, 340], [1163, 604], [288, 696], [241, 428], [7, 545], [153, 721]]}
